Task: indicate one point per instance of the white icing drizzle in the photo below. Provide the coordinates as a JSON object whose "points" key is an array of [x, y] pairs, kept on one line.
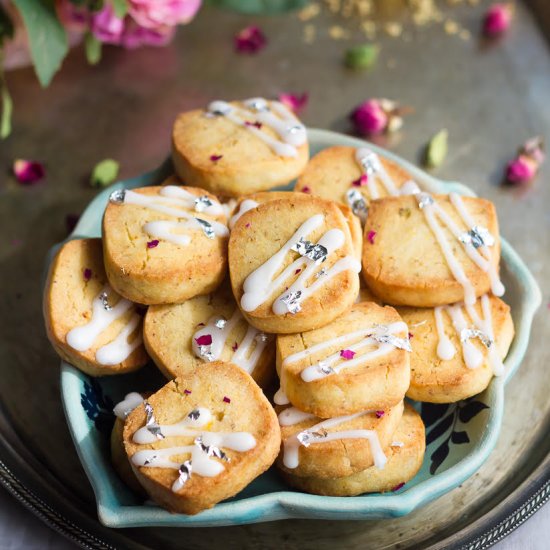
{"points": [[261, 284], [275, 115], [202, 461], [280, 397], [473, 358], [374, 170], [245, 206], [125, 407], [334, 363], [249, 350], [291, 445], [433, 212], [177, 202], [82, 338]]}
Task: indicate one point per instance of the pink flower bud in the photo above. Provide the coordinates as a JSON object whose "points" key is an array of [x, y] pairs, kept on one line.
{"points": [[250, 40], [28, 172], [521, 170], [497, 19], [369, 118], [294, 102]]}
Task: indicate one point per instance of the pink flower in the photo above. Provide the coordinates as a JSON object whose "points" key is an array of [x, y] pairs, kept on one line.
{"points": [[305, 189], [204, 340], [226, 399], [153, 14], [369, 118], [294, 102], [360, 181], [71, 16], [370, 236], [347, 353], [250, 40], [106, 26], [153, 244], [135, 36], [28, 172], [525, 166], [497, 19]]}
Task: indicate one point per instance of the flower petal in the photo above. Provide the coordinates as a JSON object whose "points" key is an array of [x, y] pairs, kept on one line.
{"points": [[28, 172], [250, 40], [294, 102]]}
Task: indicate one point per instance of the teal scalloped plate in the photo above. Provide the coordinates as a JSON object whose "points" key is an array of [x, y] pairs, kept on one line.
{"points": [[459, 437]]}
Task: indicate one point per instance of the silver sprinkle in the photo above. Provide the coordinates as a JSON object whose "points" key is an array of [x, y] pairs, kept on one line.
{"points": [[371, 164], [478, 236], [295, 129], [151, 423], [220, 323], [357, 203], [258, 105], [321, 273], [202, 203], [399, 343], [470, 333], [292, 301], [424, 199], [206, 352], [184, 473], [117, 197], [325, 369], [194, 414], [262, 337], [316, 252], [149, 460], [397, 444], [206, 228], [105, 301], [306, 438], [211, 450]]}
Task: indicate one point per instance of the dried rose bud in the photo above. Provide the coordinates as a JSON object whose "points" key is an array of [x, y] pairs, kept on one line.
{"points": [[28, 172], [294, 102], [525, 166], [250, 40], [369, 118], [497, 19]]}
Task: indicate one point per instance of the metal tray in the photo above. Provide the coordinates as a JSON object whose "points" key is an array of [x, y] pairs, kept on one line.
{"points": [[489, 99]]}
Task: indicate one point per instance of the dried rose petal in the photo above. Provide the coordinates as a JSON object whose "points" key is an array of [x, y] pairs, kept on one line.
{"points": [[347, 353], [398, 486], [28, 172], [369, 118], [235, 346], [226, 399], [250, 40], [215, 158], [497, 19], [248, 225], [87, 273], [204, 340], [297, 271], [153, 244], [380, 414], [370, 236], [360, 181], [411, 335], [294, 102], [305, 189], [186, 392], [255, 124], [201, 325]]}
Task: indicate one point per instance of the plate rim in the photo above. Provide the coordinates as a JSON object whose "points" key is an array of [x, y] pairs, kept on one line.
{"points": [[297, 505]]}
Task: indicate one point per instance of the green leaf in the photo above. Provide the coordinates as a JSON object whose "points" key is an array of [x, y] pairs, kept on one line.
{"points": [[7, 109], [93, 49], [104, 173], [120, 7], [362, 56], [47, 37], [436, 151], [6, 26]]}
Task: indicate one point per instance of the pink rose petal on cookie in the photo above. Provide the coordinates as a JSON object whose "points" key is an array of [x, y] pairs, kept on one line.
{"points": [[256, 124], [235, 346], [204, 340], [305, 189], [370, 236], [186, 392], [153, 244], [347, 353], [380, 414], [87, 273]]}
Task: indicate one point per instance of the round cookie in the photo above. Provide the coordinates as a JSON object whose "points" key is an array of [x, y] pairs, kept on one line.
{"points": [[292, 264], [352, 176], [234, 149], [414, 259], [251, 201], [358, 362], [87, 323], [340, 446], [439, 373], [405, 455], [202, 438], [164, 244], [181, 337]]}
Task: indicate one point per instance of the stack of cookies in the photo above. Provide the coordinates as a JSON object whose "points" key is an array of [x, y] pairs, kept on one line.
{"points": [[355, 290]]}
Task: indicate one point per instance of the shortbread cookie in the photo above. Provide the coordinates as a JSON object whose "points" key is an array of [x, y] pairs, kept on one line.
{"points": [[352, 176], [252, 201], [336, 447], [180, 337], [292, 264], [202, 438], [87, 322], [404, 459], [237, 148], [456, 349], [119, 457], [430, 250], [166, 244], [358, 362]]}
